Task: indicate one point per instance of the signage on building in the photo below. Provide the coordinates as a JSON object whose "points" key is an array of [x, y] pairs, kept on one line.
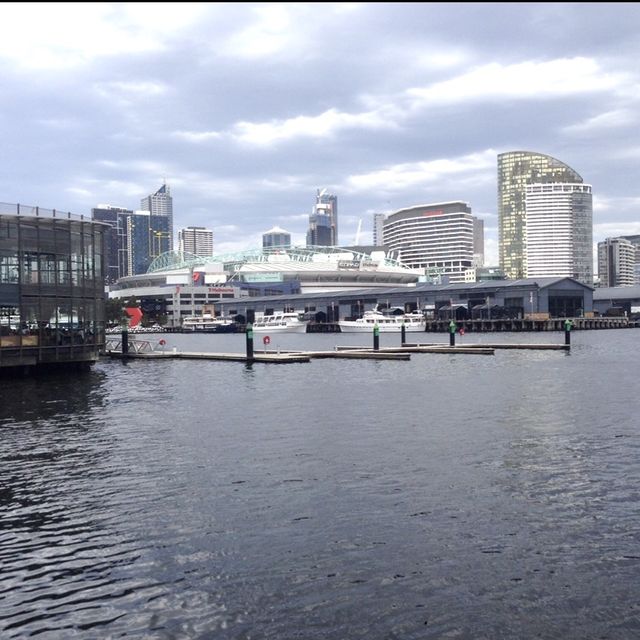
{"points": [[263, 277], [348, 264], [220, 290]]}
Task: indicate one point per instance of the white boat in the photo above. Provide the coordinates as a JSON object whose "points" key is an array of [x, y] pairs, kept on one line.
{"points": [[386, 321], [209, 324], [280, 322]]}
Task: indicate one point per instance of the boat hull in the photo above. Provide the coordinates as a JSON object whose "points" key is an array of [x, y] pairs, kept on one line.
{"points": [[276, 329], [351, 327]]}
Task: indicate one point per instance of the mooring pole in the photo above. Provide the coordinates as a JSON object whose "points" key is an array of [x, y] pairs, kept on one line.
{"points": [[452, 334], [249, 337], [403, 334], [567, 331], [125, 340], [376, 337]]}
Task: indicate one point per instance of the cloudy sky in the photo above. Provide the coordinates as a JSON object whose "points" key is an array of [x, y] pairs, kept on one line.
{"points": [[247, 109]]}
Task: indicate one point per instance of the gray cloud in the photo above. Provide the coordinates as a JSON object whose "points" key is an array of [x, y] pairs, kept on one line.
{"points": [[246, 109]]}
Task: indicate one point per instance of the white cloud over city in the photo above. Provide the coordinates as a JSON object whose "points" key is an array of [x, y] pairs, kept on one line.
{"points": [[247, 109]]}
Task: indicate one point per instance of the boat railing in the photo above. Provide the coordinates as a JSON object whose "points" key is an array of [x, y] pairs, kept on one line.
{"points": [[135, 346]]}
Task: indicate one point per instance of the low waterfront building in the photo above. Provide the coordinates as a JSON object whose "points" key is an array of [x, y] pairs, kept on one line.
{"points": [[518, 299], [51, 288]]}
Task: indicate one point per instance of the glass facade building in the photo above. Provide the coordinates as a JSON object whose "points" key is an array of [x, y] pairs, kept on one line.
{"points": [[160, 204], [323, 221], [51, 288], [516, 170]]}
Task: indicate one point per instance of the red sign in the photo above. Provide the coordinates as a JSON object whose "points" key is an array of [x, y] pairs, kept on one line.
{"points": [[135, 315]]}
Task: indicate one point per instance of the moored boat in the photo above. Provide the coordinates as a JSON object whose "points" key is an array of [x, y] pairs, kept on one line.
{"points": [[209, 324], [386, 321], [281, 322]]}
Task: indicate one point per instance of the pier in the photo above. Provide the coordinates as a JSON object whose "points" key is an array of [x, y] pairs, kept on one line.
{"points": [[528, 324]]}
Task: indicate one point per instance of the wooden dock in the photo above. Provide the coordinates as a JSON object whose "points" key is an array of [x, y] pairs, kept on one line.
{"points": [[505, 345], [478, 349], [143, 350]]}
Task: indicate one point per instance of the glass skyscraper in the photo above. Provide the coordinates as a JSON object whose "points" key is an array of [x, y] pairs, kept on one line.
{"points": [[323, 221], [160, 203], [516, 170]]}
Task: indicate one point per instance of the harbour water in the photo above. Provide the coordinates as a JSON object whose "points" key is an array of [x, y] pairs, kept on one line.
{"points": [[450, 496]]}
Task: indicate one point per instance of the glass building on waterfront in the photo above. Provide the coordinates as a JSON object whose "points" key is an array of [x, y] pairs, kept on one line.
{"points": [[517, 170], [51, 287]]}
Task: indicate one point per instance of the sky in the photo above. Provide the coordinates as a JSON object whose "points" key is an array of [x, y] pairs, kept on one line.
{"points": [[247, 109]]}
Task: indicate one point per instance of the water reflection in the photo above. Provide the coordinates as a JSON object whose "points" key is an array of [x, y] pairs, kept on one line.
{"points": [[440, 497]]}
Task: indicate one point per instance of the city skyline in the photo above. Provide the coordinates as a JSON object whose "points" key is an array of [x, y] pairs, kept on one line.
{"points": [[377, 103]]}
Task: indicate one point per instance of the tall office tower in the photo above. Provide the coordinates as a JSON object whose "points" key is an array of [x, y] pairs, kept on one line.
{"points": [[616, 262], [323, 221], [160, 203], [434, 237], [116, 240], [276, 237], [478, 242], [516, 170], [378, 226], [196, 240], [559, 231]]}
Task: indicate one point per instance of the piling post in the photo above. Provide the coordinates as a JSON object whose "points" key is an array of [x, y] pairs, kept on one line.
{"points": [[125, 340], [376, 337], [452, 334], [567, 331], [403, 334], [249, 340]]}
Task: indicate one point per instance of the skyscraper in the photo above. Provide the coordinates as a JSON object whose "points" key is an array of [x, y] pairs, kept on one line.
{"points": [[559, 231], [516, 170], [134, 240], [160, 203], [196, 240], [323, 221]]}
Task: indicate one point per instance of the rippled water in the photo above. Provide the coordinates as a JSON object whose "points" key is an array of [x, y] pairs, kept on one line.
{"points": [[451, 496]]}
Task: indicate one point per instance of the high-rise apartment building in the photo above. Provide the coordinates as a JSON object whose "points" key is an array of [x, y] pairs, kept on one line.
{"points": [[635, 241], [517, 170], [323, 221], [196, 240], [378, 229], [160, 203], [559, 231], [276, 237], [434, 237], [616, 262]]}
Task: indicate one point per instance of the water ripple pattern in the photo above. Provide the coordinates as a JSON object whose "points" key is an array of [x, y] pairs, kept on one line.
{"points": [[445, 497]]}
